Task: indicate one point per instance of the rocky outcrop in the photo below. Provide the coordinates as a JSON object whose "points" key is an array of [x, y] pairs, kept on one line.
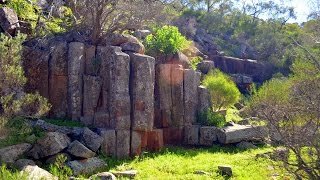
{"points": [[12, 153], [9, 21]]}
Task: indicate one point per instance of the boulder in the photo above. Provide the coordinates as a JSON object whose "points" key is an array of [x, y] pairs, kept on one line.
{"points": [[238, 133], [22, 163], [37, 173], [205, 66], [52, 143], [142, 34], [142, 91], [86, 166], [103, 176], [133, 47], [118, 39], [246, 145], [9, 21], [178, 58], [76, 63], [79, 150], [208, 135], [192, 135], [225, 170], [190, 86], [123, 143], [90, 139], [108, 145], [12, 153]]}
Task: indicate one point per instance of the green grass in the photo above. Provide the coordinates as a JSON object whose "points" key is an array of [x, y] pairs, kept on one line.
{"points": [[64, 122], [181, 163], [7, 174], [233, 115]]}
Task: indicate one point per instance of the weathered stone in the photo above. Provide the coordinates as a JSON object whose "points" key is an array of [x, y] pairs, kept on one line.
{"points": [[48, 127], [208, 135], [126, 174], [203, 99], [142, 34], [205, 66], [92, 63], [201, 173], [21, 163], [225, 170], [79, 150], [59, 61], [179, 59], [123, 143], [35, 152], [53, 143], [9, 21], [101, 120], [246, 145], [75, 72], [108, 146], [139, 142], [192, 135], [91, 93], [191, 83], [86, 166], [177, 96], [120, 113], [104, 176], [238, 133], [163, 96], [87, 120], [173, 136], [12, 153], [118, 39], [155, 140], [91, 140], [37, 173], [133, 47], [142, 91]]}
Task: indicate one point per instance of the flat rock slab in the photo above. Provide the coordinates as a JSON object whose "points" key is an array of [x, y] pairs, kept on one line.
{"points": [[86, 166], [104, 176], [12, 153], [126, 174], [79, 150], [37, 173], [238, 133]]}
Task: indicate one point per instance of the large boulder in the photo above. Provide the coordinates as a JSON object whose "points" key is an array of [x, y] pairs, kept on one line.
{"points": [[9, 21], [79, 150], [118, 39], [238, 133], [52, 143], [37, 173], [205, 66], [86, 166], [133, 47], [22, 163], [12, 153], [177, 58], [91, 140]]}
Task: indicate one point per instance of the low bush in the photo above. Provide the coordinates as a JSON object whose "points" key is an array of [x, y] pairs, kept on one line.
{"points": [[210, 118]]}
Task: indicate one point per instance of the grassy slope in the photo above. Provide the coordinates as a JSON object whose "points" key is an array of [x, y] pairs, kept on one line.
{"points": [[180, 163]]}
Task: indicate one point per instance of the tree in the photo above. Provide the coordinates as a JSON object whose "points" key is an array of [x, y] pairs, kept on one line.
{"points": [[290, 109], [224, 92]]}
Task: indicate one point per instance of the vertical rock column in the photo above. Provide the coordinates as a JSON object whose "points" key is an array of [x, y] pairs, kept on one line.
{"points": [[191, 83], [58, 80], [75, 73], [177, 96]]}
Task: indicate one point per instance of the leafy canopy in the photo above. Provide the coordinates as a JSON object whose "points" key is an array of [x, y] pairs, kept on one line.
{"points": [[224, 92], [167, 40]]}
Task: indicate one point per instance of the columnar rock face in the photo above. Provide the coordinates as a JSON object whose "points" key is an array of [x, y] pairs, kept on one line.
{"points": [[123, 143], [204, 99], [142, 91], [177, 96], [75, 72]]}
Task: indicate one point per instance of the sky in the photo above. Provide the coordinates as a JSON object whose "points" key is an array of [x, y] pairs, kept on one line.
{"points": [[302, 9]]}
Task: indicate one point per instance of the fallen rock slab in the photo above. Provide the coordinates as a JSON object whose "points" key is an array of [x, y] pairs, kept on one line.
{"points": [[37, 173], [238, 133], [53, 143], [103, 176], [246, 145], [79, 150], [12, 153], [86, 166], [126, 174], [91, 140], [225, 170]]}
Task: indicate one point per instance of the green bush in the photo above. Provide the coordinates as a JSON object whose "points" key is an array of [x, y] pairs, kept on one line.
{"points": [[167, 40], [195, 61], [224, 92], [210, 118], [59, 169]]}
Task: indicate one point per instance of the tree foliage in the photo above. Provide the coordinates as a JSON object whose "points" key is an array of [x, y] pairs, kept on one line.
{"points": [[224, 92], [167, 40]]}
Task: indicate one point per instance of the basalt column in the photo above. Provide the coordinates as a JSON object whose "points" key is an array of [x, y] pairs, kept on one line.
{"points": [[75, 73]]}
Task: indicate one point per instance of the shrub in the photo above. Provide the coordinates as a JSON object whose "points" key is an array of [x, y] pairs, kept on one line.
{"points": [[224, 92], [59, 169], [195, 61], [210, 118], [167, 40]]}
